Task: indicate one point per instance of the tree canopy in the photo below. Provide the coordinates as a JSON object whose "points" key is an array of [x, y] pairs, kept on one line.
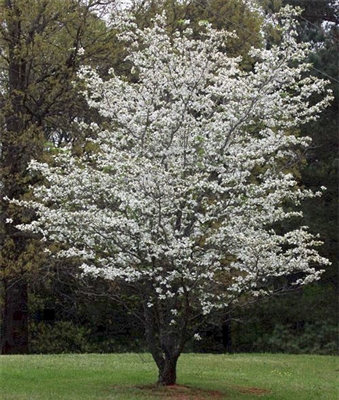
{"points": [[183, 193]]}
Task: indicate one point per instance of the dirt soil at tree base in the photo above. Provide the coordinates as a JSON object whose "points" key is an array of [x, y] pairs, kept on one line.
{"points": [[181, 392]]}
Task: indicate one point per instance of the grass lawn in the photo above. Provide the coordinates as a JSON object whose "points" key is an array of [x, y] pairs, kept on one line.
{"points": [[200, 376]]}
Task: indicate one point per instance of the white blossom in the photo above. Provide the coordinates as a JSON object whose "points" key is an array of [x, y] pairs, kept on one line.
{"points": [[187, 184]]}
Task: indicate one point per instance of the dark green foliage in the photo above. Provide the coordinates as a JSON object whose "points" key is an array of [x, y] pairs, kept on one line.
{"points": [[301, 322], [320, 23], [100, 323], [317, 338], [119, 335], [59, 337]]}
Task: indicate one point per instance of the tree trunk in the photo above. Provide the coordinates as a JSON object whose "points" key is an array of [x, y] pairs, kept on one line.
{"points": [[164, 356], [227, 334], [14, 338], [168, 373]]}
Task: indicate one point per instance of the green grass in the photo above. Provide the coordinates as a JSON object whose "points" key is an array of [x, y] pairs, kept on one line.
{"points": [[119, 376]]}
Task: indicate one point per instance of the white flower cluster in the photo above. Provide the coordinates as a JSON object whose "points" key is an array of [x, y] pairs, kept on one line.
{"points": [[186, 188]]}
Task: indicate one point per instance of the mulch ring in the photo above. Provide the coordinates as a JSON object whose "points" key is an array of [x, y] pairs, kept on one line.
{"points": [[181, 392]]}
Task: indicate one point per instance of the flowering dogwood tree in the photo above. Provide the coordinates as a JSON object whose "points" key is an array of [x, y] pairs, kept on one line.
{"points": [[184, 192]]}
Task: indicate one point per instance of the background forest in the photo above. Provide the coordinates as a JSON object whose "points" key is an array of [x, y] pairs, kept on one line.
{"points": [[45, 307]]}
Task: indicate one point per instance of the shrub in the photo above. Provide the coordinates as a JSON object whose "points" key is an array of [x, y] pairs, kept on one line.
{"points": [[312, 338], [58, 337]]}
